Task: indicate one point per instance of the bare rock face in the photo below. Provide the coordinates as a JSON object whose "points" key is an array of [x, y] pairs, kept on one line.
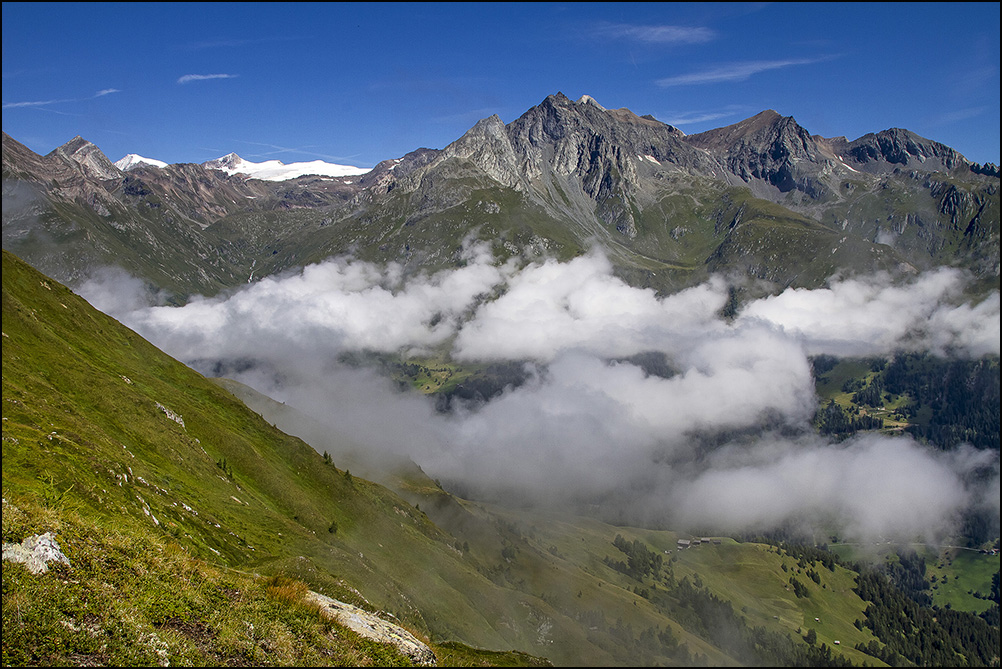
{"points": [[607, 155], [373, 627], [585, 140], [35, 553], [773, 149], [487, 145], [88, 157], [900, 148]]}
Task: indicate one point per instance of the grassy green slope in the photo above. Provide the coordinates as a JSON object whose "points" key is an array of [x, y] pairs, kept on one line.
{"points": [[948, 219], [770, 242], [130, 597], [562, 560], [749, 578], [960, 575], [69, 239]]}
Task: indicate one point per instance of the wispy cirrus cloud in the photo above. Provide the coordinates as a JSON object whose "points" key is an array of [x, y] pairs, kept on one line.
{"points": [[298, 151], [734, 71], [696, 117], [959, 115], [36, 103], [46, 103], [188, 78], [656, 34]]}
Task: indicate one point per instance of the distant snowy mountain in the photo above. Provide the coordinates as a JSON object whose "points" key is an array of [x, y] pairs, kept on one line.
{"points": [[274, 170], [132, 161]]}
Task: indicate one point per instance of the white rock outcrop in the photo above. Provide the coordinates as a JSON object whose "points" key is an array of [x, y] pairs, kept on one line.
{"points": [[373, 627], [35, 552]]}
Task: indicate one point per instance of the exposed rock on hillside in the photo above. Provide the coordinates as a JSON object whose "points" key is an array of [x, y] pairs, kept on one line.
{"points": [[773, 149], [373, 627], [35, 553]]}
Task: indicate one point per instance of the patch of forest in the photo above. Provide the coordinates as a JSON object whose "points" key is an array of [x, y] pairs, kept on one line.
{"points": [[900, 614], [945, 402], [962, 397]]}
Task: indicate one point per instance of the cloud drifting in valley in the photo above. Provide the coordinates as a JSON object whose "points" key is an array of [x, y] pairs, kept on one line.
{"points": [[724, 443], [860, 317]]}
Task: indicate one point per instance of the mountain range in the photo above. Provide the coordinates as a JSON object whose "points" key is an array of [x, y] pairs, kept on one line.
{"points": [[762, 198]]}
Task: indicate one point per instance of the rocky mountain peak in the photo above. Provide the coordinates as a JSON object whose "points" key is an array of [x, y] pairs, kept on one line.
{"points": [[227, 162], [589, 100], [558, 99], [898, 148], [765, 128], [573, 137], [78, 143], [87, 157], [769, 147], [487, 145]]}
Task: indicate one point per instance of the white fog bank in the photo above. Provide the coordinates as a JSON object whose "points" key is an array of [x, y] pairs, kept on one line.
{"points": [[725, 442]]}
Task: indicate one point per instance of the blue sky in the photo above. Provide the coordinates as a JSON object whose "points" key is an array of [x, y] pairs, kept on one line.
{"points": [[359, 83]]}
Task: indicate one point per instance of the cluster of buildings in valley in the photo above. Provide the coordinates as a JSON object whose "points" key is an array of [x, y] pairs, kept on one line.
{"points": [[690, 543]]}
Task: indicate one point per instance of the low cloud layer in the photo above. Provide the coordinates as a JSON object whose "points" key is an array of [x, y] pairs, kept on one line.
{"points": [[873, 316], [870, 486], [724, 443]]}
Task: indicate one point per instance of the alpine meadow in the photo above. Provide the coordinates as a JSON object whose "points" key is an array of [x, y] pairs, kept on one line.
{"points": [[577, 389]]}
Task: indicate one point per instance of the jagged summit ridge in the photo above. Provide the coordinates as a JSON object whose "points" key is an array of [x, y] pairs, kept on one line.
{"points": [[578, 148], [565, 173], [227, 162], [897, 147], [487, 145], [577, 137], [771, 148]]}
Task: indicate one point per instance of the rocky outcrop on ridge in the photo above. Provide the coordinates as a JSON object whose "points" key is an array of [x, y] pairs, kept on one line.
{"points": [[773, 149], [898, 148]]}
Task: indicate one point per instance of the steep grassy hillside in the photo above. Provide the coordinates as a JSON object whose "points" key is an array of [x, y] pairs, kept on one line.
{"points": [[131, 597], [659, 616]]}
